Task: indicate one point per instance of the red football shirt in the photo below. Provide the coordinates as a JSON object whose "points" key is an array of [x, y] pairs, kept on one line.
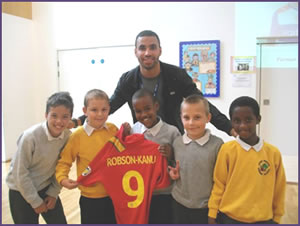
{"points": [[130, 169]]}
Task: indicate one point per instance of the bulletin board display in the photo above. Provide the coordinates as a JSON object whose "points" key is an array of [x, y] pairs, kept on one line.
{"points": [[201, 60]]}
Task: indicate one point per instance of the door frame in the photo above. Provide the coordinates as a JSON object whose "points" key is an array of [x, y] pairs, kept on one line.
{"points": [[268, 41]]}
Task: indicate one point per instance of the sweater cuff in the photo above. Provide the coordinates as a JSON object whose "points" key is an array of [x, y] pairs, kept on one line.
{"points": [[213, 213], [37, 202], [277, 219], [60, 178], [53, 192]]}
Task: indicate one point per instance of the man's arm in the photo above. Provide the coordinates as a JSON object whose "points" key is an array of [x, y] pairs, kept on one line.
{"points": [[119, 96], [219, 120]]}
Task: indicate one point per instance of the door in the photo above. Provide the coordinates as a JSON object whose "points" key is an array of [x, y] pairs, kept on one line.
{"points": [[278, 98], [95, 68]]}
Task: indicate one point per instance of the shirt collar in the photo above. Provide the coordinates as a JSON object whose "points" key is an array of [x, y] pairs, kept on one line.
{"points": [[257, 147], [153, 130], [48, 134], [89, 129], [201, 141]]}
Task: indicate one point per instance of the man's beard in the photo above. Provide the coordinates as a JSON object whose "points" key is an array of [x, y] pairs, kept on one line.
{"points": [[150, 67]]}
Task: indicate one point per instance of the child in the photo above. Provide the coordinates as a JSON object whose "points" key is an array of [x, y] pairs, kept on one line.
{"points": [[95, 205], [249, 176], [146, 107], [196, 151], [33, 189]]}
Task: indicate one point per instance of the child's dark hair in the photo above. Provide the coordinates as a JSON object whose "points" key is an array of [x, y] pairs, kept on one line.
{"points": [[95, 93], [245, 101], [196, 98], [60, 98], [144, 93]]}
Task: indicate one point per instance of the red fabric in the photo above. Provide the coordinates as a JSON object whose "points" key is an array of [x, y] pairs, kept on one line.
{"points": [[114, 167]]}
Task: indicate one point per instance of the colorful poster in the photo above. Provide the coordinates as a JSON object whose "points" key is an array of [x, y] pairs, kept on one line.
{"points": [[243, 65], [201, 60]]}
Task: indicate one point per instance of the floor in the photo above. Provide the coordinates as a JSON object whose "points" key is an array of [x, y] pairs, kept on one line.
{"points": [[70, 199]]}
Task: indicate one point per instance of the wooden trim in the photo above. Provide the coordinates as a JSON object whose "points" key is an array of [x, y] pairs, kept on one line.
{"points": [[21, 9]]}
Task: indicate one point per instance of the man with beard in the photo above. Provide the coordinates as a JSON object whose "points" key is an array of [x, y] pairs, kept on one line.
{"points": [[169, 83]]}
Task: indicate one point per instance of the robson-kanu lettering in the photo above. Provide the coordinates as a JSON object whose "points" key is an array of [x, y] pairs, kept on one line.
{"points": [[130, 160]]}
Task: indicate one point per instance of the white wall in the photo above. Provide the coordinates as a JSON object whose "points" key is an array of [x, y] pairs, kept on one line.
{"points": [[45, 55], [29, 73], [18, 80], [29, 47]]}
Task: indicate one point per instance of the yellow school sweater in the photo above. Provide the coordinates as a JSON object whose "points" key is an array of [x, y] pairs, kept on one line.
{"points": [[249, 186], [83, 149]]}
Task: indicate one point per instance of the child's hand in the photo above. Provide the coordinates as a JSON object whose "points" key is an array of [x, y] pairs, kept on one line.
{"points": [[50, 202], [41, 209], [174, 172], [68, 183], [166, 151], [211, 220], [127, 129]]}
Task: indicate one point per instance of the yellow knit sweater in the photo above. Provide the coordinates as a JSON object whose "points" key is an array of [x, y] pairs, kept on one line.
{"points": [[83, 149], [249, 186]]}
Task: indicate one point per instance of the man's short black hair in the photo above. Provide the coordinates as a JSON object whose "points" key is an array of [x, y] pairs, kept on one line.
{"points": [[147, 33]]}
